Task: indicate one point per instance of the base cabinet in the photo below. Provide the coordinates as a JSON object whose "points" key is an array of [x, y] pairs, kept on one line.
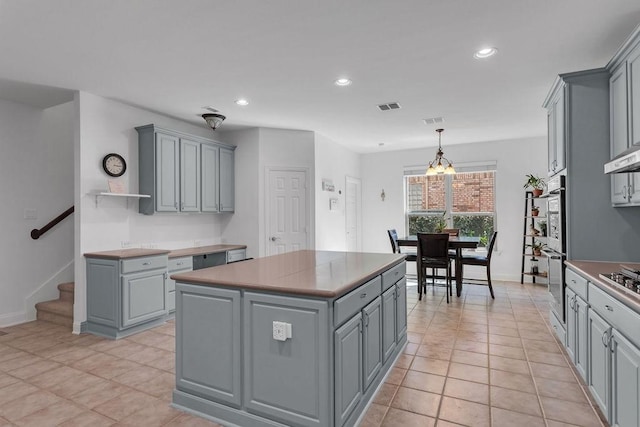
{"points": [[126, 296], [599, 360], [348, 369], [625, 387], [576, 338]]}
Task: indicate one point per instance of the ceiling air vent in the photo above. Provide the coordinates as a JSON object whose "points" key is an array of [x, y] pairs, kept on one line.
{"points": [[433, 120], [389, 106]]}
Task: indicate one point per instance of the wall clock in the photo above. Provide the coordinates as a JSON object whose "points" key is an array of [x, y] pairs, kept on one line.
{"points": [[114, 164]]}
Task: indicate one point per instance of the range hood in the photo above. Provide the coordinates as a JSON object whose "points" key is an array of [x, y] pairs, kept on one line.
{"points": [[627, 161]]}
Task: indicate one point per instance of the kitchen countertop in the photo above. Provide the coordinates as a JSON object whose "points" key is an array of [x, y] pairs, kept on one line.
{"points": [[200, 250], [312, 273], [591, 270], [175, 253]]}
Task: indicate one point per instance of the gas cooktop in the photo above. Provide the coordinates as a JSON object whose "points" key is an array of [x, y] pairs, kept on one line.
{"points": [[627, 278]]}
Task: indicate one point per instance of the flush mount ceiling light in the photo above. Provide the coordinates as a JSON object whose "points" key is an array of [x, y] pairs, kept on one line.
{"points": [[485, 53], [214, 120], [343, 82], [436, 167], [242, 102]]}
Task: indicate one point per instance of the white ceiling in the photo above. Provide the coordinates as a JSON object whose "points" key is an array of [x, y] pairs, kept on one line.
{"points": [[176, 56]]}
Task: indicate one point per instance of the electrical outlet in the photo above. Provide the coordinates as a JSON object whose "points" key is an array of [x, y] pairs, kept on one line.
{"points": [[281, 331], [125, 244]]}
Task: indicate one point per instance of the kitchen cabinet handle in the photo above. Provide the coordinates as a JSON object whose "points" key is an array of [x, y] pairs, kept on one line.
{"points": [[608, 307], [146, 263], [629, 192], [605, 338], [363, 295], [175, 205], [366, 319], [624, 192], [179, 263], [572, 303]]}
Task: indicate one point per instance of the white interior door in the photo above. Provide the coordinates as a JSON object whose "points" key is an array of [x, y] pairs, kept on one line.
{"points": [[353, 208], [287, 211]]}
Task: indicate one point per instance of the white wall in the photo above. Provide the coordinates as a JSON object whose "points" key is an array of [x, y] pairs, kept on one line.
{"points": [[333, 162], [514, 160], [36, 172], [109, 126], [243, 226]]}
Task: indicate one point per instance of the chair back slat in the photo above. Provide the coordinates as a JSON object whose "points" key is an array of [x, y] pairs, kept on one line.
{"points": [[393, 238], [492, 242], [453, 232]]}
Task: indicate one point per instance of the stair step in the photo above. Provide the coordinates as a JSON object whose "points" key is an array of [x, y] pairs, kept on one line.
{"points": [[66, 291], [56, 311]]}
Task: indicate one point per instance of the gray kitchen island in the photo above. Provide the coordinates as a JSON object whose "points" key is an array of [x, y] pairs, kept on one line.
{"points": [[297, 339]]}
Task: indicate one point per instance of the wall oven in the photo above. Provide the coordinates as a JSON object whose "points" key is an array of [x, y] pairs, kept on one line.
{"points": [[555, 251]]}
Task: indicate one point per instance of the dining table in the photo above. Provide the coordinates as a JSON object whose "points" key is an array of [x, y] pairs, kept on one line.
{"points": [[457, 243]]}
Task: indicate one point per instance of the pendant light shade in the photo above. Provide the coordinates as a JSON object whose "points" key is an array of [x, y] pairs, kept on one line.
{"points": [[436, 167], [214, 120]]}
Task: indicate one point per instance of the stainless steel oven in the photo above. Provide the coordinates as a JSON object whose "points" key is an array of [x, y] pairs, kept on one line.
{"points": [[555, 251]]}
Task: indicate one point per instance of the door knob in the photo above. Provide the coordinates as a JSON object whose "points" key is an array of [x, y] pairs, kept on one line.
{"points": [[274, 238]]}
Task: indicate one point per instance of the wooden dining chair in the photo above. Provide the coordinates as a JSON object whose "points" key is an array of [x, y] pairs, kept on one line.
{"points": [[395, 248], [433, 253], [482, 260]]}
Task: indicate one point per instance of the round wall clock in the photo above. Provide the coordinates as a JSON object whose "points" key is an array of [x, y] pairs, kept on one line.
{"points": [[114, 164]]}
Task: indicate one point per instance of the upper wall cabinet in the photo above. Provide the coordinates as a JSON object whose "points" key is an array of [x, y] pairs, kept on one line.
{"points": [[624, 93], [184, 173]]}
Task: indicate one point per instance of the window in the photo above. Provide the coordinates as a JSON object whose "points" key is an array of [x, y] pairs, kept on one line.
{"points": [[465, 200]]}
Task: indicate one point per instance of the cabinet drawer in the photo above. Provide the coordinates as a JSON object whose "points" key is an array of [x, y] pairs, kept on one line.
{"points": [[236, 255], [577, 283], [142, 264], [392, 275], [350, 304], [616, 313], [184, 263]]}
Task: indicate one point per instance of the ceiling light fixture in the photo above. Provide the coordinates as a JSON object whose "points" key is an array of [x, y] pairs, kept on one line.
{"points": [[343, 82], [242, 102], [436, 167], [485, 53], [214, 120]]}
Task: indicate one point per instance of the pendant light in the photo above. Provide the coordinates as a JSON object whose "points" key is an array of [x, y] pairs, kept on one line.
{"points": [[436, 167]]}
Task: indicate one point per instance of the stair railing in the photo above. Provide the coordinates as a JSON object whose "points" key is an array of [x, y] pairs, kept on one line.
{"points": [[35, 233]]}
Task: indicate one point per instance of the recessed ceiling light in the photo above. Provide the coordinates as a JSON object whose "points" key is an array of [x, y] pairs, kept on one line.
{"points": [[485, 53], [242, 102], [343, 82]]}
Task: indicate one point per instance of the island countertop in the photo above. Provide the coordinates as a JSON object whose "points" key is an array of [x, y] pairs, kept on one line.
{"points": [[308, 272]]}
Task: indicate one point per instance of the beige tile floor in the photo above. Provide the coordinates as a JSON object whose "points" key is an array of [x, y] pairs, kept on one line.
{"points": [[474, 362]]}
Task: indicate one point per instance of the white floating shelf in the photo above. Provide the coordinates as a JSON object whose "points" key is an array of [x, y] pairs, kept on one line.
{"points": [[126, 195]]}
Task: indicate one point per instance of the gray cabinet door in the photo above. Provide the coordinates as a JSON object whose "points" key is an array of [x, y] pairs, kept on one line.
{"points": [[227, 180], [598, 360], [619, 131], [210, 183], [401, 309], [167, 172], [372, 341], [348, 368], [208, 350], [625, 376], [287, 380], [570, 303], [581, 347], [389, 319], [143, 297], [634, 95], [559, 129], [189, 176]]}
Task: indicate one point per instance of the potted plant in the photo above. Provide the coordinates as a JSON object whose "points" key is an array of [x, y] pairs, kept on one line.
{"points": [[543, 227], [536, 183], [441, 223], [535, 210], [536, 248]]}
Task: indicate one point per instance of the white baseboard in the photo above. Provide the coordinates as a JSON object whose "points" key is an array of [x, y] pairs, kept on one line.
{"points": [[11, 319]]}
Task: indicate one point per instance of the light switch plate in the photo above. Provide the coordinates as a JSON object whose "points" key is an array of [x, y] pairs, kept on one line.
{"points": [[30, 213]]}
